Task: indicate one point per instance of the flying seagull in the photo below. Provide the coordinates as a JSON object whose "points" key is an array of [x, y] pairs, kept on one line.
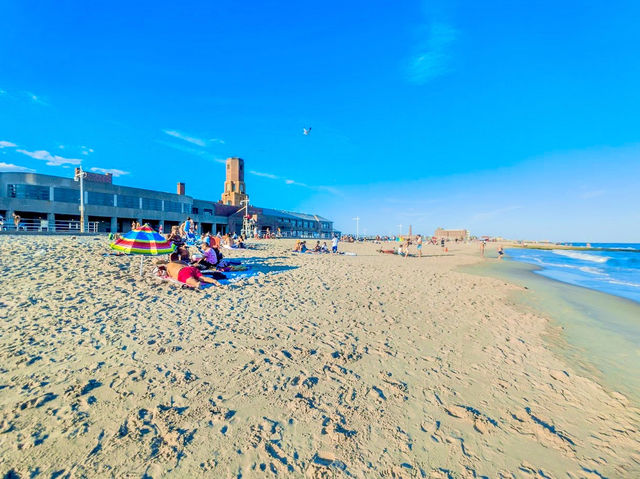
{"points": [[306, 131]]}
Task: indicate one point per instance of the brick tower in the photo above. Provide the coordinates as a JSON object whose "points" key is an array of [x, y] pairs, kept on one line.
{"points": [[234, 192]]}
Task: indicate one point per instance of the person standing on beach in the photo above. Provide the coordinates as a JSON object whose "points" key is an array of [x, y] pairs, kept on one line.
{"points": [[16, 221], [419, 245], [442, 243], [482, 245], [334, 244], [406, 247], [500, 252]]}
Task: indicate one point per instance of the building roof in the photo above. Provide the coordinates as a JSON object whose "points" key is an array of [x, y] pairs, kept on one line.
{"points": [[293, 215]]}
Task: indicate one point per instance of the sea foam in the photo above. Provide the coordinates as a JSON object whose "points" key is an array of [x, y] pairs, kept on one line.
{"points": [[582, 256]]}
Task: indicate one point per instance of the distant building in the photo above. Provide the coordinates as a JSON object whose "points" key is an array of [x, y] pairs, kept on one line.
{"points": [[48, 203], [460, 235]]}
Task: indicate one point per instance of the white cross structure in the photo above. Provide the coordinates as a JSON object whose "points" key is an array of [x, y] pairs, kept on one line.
{"points": [[357, 220], [80, 175]]}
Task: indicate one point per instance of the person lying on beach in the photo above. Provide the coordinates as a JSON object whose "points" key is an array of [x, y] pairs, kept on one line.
{"points": [[189, 275]]}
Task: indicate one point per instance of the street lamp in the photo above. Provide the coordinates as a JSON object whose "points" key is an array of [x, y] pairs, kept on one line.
{"points": [[79, 176], [357, 220], [400, 226]]}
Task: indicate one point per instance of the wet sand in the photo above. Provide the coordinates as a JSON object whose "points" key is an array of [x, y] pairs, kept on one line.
{"points": [[322, 366]]}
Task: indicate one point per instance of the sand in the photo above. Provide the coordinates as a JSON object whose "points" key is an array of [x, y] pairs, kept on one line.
{"points": [[322, 366]]}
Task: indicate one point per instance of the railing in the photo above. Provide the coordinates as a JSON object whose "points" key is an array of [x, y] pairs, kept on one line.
{"points": [[39, 226]]}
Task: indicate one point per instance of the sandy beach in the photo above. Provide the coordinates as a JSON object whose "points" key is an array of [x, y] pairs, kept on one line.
{"points": [[322, 366]]}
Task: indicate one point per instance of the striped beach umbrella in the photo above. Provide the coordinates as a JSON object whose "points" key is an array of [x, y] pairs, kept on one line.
{"points": [[143, 240]]}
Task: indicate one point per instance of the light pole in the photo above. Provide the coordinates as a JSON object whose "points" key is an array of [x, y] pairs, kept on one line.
{"points": [[80, 177], [357, 220], [400, 226]]}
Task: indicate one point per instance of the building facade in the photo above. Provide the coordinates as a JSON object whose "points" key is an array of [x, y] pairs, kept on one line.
{"points": [[460, 235], [55, 201]]}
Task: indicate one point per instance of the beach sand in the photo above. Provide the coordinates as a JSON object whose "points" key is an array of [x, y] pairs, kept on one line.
{"points": [[324, 366]]}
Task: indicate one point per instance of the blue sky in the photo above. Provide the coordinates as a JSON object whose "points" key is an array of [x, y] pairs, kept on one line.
{"points": [[504, 118]]}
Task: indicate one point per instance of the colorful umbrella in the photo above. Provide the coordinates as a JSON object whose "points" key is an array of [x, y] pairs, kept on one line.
{"points": [[143, 240]]}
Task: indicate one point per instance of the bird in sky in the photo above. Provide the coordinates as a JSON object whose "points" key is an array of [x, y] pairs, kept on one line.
{"points": [[306, 131]]}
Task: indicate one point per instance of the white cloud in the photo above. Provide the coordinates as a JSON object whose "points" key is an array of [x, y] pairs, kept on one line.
{"points": [[7, 144], [487, 215], [264, 175], [85, 150], [14, 168], [592, 194], [52, 160], [216, 140], [432, 57], [291, 182], [36, 99], [113, 171], [194, 151], [185, 137]]}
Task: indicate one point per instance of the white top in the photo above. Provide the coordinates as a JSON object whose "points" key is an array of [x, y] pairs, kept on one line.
{"points": [[334, 241]]}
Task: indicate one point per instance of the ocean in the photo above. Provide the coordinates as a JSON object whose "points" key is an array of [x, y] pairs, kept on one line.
{"points": [[612, 268]]}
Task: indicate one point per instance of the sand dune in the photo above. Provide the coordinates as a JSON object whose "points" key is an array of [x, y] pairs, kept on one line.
{"points": [[330, 366]]}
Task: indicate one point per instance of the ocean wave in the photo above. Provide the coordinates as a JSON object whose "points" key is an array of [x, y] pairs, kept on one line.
{"points": [[592, 270], [581, 256], [623, 283]]}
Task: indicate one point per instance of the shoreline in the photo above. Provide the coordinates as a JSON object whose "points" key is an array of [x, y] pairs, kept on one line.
{"points": [[592, 330], [549, 247]]}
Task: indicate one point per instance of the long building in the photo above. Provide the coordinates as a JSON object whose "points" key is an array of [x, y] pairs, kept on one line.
{"points": [[460, 235], [46, 202]]}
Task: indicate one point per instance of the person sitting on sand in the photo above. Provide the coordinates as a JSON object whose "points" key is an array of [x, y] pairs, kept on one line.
{"points": [[183, 253], [298, 247], [174, 236], [189, 275], [209, 257], [227, 241], [317, 248], [325, 248]]}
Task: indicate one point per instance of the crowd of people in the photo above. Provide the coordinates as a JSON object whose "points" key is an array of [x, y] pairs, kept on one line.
{"points": [[301, 246], [209, 265]]}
